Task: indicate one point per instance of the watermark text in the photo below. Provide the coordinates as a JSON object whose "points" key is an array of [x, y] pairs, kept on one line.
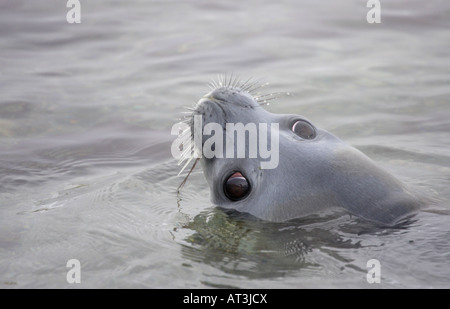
{"points": [[235, 140], [74, 14], [74, 274]]}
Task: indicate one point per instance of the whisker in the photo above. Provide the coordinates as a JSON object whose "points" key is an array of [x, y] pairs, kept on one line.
{"points": [[251, 85], [229, 82], [257, 87], [185, 135], [272, 94], [236, 81], [185, 179], [244, 84], [185, 165], [225, 81], [185, 155], [233, 80], [267, 99], [213, 83]]}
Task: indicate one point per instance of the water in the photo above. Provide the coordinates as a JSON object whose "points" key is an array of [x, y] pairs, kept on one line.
{"points": [[85, 117]]}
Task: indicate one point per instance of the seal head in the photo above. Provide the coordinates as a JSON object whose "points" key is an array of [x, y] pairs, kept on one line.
{"points": [[314, 171]]}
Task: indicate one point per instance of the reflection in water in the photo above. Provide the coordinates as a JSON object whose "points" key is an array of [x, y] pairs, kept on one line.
{"points": [[245, 246]]}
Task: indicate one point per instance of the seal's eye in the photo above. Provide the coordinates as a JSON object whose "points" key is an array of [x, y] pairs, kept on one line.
{"points": [[236, 187], [303, 129]]}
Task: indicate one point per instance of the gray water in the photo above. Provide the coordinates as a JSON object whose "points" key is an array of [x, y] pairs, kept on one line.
{"points": [[85, 116]]}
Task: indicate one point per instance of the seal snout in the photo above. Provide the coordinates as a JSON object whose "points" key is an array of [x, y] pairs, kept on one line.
{"points": [[226, 105], [231, 96]]}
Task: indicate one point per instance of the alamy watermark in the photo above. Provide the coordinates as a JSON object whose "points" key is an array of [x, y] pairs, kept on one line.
{"points": [[236, 143], [374, 272], [74, 273], [374, 14], [74, 14]]}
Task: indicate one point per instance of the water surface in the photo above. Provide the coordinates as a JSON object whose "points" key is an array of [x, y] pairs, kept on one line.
{"points": [[85, 117]]}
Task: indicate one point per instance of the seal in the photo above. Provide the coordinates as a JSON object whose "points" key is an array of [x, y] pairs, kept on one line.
{"points": [[316, 171]]}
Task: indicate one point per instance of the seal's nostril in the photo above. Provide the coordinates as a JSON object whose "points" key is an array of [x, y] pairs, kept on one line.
{"points": [[236, 187]]}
